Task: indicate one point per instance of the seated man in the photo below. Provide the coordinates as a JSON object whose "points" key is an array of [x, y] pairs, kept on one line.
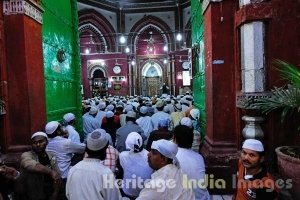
{"points": [[161, 133], [69, 120], [253, 179], [39, 177], [89, 179], [191, 163], [134, 166], [62, 148], [167, 181]]}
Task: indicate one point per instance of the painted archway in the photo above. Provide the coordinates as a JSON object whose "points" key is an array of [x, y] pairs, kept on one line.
{"points": [[96, 66], [98, 84]]}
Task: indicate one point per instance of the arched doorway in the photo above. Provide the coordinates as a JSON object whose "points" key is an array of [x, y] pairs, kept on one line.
{"points": [[98, 80], [152, 78]]}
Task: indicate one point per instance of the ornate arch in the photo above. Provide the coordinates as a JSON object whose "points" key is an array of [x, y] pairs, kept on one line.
{"points": [[96, 66], [91, 28], [150, 21], [150, 26], [91, 17], [151, 63]]}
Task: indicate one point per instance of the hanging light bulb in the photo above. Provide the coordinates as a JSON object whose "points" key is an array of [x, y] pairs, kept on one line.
{"points": [[87, 51], [127, 50], [166, 47], [133, 62], [179, 37], [122, 39]]}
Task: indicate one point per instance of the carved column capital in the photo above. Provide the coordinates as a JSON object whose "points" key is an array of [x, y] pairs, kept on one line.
{"points": [[26, 7]]}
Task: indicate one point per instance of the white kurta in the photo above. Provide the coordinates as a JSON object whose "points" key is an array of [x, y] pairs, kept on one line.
{"points": [[73, 134], [135, 166], [192, 165], [166, 184], [89, 180], [90, 124], [63, 149], [155, 118]]}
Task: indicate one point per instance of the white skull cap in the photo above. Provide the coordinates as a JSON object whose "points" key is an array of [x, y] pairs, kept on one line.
{"points": [[254, 145]]}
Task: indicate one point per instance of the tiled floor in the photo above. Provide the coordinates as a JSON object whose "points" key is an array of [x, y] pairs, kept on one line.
{"points": [[221, 197]]}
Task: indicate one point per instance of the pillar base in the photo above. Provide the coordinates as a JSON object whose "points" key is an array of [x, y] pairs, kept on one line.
{"points": [[221, 160]]}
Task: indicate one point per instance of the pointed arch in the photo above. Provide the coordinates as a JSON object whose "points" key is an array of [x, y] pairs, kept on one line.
{"points": [[95, 19], [100, 42], [154, 22], [146, 66], [96, 66]]}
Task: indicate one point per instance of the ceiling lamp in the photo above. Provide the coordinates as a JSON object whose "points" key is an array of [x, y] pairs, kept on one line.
{"points": [[179, 37], [122, 39]]}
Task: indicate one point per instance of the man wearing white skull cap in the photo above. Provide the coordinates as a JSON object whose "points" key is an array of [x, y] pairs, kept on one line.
{"points": [[62, 148], [162, 158], [90, 122], [69, 120], [89, 179], [253, 179], [40, 176]]}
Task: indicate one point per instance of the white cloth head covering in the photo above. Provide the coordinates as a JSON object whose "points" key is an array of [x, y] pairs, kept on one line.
{"points": [[134, 141], [195, 113], [51, 127], [39, 134], [69, 117], [166, 109], [131, 114], [186, 121], [97, 140], [110, 107], [102, 105], [128, 108], [93, 110], [109, 114], [253, 144], [143, 109], [167, 149]]}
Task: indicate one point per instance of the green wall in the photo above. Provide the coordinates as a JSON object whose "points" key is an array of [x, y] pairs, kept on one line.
{"points": [[62, 79], [199, 68]]}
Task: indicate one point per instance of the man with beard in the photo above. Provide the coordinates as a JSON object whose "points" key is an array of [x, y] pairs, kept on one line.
{"points": [[253, 180], [39, 179]]}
